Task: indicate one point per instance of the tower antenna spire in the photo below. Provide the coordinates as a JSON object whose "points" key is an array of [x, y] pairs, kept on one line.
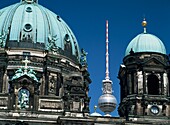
{"points": [[107, 51]]}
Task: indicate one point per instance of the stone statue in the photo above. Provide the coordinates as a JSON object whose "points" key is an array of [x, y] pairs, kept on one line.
{"points": [[23, 99], [83, 58], [52, 42], [18, 74], [3, 37], [31, 73]]}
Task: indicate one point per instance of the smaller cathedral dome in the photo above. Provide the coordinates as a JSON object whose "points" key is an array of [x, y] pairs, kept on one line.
{"points": [[95, 114], [146, 43]]}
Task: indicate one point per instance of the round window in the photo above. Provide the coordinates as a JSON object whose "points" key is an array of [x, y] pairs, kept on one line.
{"points": [[28, 27], [155, 110], [29, 9]]}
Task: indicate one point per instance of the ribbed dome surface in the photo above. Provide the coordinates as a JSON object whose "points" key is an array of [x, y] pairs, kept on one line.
{"points": [[30, 22], [146, 43]]}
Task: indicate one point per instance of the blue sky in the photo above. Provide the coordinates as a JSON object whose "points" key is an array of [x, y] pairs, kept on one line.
{"points": [[87, 19]]}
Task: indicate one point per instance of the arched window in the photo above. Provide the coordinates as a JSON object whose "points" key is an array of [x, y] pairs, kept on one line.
{"points": [[23, 98], [153, 85]]}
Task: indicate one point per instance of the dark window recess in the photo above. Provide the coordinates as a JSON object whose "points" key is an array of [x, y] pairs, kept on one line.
{"points": [[153, 85], [133, 85], [26, 54], [58, 84], [28, 9], [67, 38], [1, 80]]}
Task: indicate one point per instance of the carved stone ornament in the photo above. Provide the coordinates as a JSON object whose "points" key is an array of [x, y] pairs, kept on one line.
{"points": [[52, 43], [3, 37]]}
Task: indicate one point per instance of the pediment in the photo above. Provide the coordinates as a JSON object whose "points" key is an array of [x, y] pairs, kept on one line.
{"points": [[24, 78], [154, 62]]}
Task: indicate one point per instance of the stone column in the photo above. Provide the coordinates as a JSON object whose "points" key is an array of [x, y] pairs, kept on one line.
{"points": [[16, 97], [5, 83], [165, 84], [144, 83], [140, 82]]}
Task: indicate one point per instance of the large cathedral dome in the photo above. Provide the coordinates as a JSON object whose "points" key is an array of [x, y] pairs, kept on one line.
{"points": [[42, 72], [145, 42], [30, 25]]}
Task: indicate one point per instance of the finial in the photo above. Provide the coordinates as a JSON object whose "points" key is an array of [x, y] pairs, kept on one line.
{"points": [[30, 1], [144, 24], [95, 108]]}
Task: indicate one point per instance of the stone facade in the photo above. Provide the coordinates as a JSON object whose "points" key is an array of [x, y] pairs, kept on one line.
{"points": [[59, 86], [44, 78]]}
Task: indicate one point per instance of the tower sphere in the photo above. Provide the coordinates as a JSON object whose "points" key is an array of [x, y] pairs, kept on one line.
{"points": [[107, 103]]}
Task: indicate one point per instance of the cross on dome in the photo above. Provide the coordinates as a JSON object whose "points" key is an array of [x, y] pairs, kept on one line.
{"points": [[26, 61]]}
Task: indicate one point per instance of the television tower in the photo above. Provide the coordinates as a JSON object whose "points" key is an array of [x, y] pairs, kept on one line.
{"points": [[107, 101]]}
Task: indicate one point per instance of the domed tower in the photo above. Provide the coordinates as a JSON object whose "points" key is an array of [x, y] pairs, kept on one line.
{"points": [[144, 79], [43, 73], [107, 102]]}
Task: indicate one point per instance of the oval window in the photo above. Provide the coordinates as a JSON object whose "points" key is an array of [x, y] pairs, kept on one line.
{"points": [[28, 27], [29, 9]]}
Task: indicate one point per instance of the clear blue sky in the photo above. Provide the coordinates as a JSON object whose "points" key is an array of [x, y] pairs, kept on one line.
{"points": [[87, 19]]}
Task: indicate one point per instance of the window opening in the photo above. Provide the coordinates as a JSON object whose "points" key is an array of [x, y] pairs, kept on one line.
{"points": [[153, 85]]}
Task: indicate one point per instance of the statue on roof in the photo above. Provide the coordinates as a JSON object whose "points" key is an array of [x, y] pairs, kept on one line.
{"points": [[31, 73], [3, 37], [52, 43], [83, 59], [18, 74]]}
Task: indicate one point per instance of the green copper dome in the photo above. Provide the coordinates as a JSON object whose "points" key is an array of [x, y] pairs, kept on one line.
{"points": [[146, 43], [30, 25]]}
